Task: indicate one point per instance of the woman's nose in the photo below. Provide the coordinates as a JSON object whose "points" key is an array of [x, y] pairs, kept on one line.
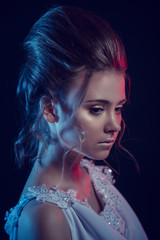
{"points": [[113, 123]]}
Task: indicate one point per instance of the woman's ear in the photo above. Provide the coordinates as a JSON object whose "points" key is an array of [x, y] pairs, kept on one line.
{"points": [[48, 107]]}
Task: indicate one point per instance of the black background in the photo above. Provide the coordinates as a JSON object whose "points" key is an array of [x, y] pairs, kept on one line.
{"points": [[137, 23]]}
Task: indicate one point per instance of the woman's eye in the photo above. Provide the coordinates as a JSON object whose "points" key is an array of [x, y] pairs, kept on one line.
{"points": [[118, 109], [96, 110]]}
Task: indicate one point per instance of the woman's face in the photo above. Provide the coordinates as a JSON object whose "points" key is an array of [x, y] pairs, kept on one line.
{"points": [[99, 115]]}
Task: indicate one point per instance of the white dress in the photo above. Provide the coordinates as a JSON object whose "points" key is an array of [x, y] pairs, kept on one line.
{"points": [[117, 221]]}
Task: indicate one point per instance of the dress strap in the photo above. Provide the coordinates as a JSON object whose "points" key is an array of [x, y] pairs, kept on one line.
{"points": [[13, 215], [41, 194]]}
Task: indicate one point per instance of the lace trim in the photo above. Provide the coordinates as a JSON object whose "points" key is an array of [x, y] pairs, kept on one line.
{"points": [[60, 198], [13, 214], [102, 179]]}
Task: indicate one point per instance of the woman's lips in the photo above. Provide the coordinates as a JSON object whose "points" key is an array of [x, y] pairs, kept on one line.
{"points": [[106, 144], [107, 141]]}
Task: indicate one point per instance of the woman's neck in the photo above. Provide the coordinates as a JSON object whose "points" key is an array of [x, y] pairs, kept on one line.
{"points": [[58, 168]]}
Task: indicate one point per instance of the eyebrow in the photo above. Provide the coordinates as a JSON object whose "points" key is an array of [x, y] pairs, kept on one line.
{"points": [[105, 101]]}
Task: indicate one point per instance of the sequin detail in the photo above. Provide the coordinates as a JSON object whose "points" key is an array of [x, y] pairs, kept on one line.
{"points": [[102, 179]]}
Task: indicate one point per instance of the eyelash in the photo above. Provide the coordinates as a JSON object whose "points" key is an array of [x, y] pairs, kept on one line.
{"points": [[119, 109], [99, 110], [96, 110]]}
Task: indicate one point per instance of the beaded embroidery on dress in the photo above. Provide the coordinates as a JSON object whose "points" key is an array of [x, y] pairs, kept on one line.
{"points": [[102, 180]]}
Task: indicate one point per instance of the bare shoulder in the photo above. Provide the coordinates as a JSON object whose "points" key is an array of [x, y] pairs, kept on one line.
{"points": [[43, 221]]}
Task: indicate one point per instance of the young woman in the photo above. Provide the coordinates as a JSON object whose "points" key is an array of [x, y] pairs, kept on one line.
{"points": [[73, 87]]}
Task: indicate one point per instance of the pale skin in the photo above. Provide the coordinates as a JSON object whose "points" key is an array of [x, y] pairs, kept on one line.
{"points": [[99, 115]]}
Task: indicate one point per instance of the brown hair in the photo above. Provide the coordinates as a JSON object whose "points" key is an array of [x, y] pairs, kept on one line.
{"points": [[63, 42]]}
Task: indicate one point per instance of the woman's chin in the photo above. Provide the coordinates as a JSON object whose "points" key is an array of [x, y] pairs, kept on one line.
{"points": [[101, 156]]}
